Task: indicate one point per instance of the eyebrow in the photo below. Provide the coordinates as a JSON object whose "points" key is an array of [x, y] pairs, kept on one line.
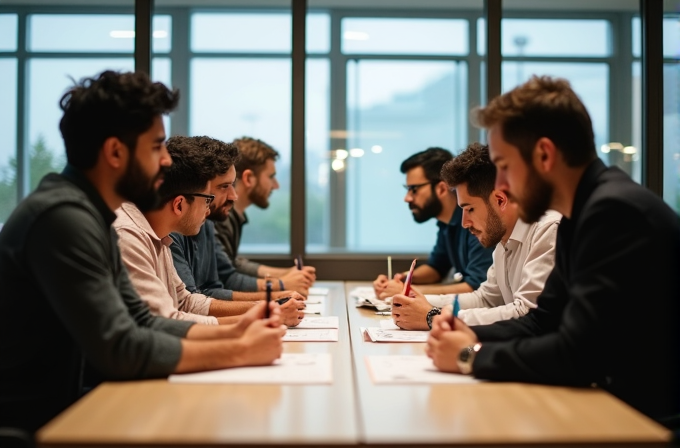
{"points": [[159, 139], [464, 204]]}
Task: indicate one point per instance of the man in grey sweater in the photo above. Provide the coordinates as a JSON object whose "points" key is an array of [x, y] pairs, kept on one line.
{"points": [[77, 315]]}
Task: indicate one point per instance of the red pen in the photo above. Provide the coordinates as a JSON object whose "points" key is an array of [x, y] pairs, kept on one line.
{"points": [[407, 283]]}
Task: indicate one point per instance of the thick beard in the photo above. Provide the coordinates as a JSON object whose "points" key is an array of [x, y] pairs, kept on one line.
{"points": [[431, 209], [219, 214], [259, 197], [494, 228], [536, 199], [137, 188]]}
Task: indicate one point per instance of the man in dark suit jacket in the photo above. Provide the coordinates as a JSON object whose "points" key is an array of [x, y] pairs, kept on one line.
{"points": [[608, 316]]}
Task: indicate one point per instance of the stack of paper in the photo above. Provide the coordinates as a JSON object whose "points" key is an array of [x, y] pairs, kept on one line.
{"points": [[377, 334], [313, 308], [319, 291], [319, 322], [311, 335], [411, 369], [365, 296], [291, 368]]}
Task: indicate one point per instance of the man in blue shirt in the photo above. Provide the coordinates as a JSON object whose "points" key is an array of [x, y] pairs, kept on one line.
{"points": [[456, 249]]}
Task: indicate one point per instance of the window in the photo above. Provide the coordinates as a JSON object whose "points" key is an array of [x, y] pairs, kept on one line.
{"points": [[8, 128]]}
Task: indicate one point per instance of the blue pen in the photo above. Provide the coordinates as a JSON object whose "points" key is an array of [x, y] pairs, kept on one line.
{"points": [[456, 310]]}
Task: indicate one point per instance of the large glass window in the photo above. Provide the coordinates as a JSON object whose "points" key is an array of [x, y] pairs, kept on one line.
{"points": [[8, 32], [8, 144], [671, 111]]}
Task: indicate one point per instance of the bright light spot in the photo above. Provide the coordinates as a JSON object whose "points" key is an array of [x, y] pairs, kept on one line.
{"points": [[676, 156], [616, 145], [376, 149], [122, 34], [355, 35], [605, 149], [629, 150], [356, 152], [341, 154], [160, 34], [338, 165]]}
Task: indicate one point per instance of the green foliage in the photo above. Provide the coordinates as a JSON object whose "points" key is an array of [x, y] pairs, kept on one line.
{"points": [[41, 162]]}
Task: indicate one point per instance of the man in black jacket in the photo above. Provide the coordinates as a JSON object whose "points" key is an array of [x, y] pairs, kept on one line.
{"points": [[608, 316]]}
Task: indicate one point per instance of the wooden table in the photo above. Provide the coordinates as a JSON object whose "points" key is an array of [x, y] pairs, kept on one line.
{"points": [[143, 413], [351, 411], [484, 413]]}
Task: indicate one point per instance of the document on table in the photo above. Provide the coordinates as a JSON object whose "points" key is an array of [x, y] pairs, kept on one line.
{"points": [[411, 369], [315, 298], [365, 296], [291, 368], [319, 291], [318, 322], [388, 324], [377, 334], [311, 335], [313, 308]]}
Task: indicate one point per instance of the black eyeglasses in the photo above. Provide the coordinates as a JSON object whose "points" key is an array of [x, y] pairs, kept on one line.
{"points": [[208, 197], [413, 189]]}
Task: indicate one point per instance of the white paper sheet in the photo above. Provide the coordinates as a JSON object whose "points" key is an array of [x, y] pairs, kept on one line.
{"points": [[319, 291], [365, 296], [377, 334], [313, 308], [411, 369], [311, 335], [315, 298], [291, 368], [388, 324], [318, 322]]}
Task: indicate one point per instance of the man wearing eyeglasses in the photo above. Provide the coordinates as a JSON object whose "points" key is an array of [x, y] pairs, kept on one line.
{"points": [[144, 239], [198, 259], [456, 249]]}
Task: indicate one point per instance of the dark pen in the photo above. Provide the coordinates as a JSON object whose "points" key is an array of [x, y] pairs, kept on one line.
{"points": [[269, 299]]}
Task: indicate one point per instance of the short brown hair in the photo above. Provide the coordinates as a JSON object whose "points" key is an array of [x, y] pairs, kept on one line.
{"points": [[474, 168], [542, 107], [254, 154]]}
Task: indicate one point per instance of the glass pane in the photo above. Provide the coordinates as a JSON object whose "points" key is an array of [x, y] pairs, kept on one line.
{"points": [[234, 32], [8, 141], [589, 80], [546, 37], [394, 109], [318, 33], [671, 138], [232, 98], [8, 32], [47, 81], [160, 71], [99, 33], [405, 36], [671, 37], [317, 145]]}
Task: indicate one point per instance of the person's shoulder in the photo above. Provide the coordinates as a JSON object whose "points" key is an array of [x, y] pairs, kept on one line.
{"points": [[549, 218]]}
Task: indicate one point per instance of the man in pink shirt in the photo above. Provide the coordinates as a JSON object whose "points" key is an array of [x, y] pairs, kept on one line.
{"points": [[144, 245]]}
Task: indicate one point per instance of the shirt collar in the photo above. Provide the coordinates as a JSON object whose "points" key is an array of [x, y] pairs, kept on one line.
{"points": [[585, 186], [78, 178], [140, 221], [241, 218], [519, 232]]}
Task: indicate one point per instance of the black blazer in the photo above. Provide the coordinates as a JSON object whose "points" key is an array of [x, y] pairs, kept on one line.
{"points": [[608, 315]]}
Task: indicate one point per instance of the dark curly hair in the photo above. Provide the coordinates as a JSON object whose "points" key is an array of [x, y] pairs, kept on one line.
{"points": [[431, 160], [112, 104], [195, 161], [474, 168], [254, 154]]}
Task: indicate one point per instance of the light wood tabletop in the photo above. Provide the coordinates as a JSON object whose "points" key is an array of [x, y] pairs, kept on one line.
{"points": [[484, 413], [143, 413]]}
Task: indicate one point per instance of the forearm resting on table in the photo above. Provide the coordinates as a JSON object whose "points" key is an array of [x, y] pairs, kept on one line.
{"points": [[439, 288], [199, 355], [220, 308], [264, 271], [424, 274]]}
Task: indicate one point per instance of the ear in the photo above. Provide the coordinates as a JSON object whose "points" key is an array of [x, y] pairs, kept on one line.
{"points": [[248, 178], [545, 155], [500, 198], [177, 205], [115, 153], [441, 189]]}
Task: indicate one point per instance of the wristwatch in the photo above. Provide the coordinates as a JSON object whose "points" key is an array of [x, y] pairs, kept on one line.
{"points": [[466, 357], [430, 315]]}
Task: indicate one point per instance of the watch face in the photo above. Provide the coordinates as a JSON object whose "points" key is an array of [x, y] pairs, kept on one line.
{"points": [[464, 354]]}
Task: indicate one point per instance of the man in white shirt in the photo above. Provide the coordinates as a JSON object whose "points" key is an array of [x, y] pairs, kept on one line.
{"points": [[522, 260]]}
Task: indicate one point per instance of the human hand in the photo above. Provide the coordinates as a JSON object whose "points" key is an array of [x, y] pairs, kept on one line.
{"points": [[410, 313], [392, 287], [442, 323], [299, 279], [443, 348], [291, 312], [292, 294], [262, 343]]}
